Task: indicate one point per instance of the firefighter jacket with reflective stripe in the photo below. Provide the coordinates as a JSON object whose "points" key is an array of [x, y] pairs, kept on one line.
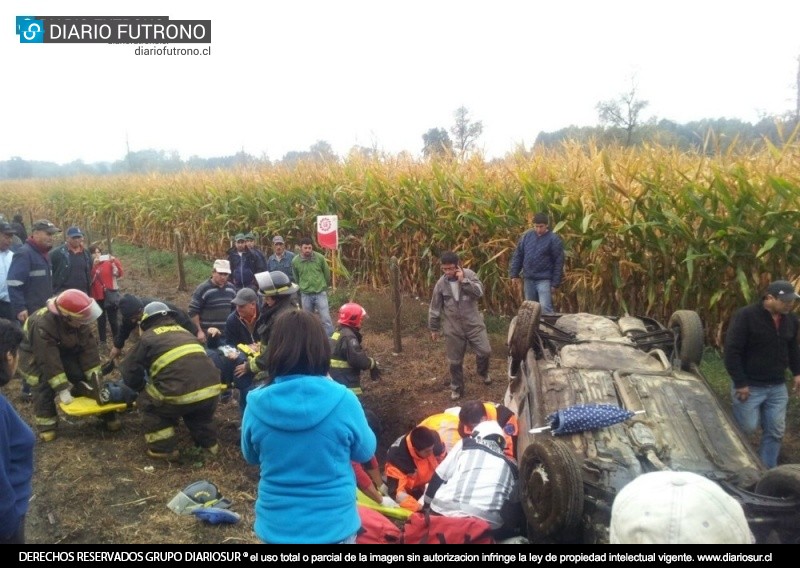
{"points": [[171, 365], [264, 328], [407, 472], [348, 358], [48, 338]]}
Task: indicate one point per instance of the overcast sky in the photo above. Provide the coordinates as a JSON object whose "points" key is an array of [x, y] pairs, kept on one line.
{"points": [[282, 75]]}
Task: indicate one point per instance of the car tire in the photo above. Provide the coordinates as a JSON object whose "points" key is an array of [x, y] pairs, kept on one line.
{"points": [[523, 329], [689, 338], [781, 481], [551, 489]]}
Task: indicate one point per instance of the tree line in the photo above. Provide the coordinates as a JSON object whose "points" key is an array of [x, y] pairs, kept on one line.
{"points": [[620, 123]]}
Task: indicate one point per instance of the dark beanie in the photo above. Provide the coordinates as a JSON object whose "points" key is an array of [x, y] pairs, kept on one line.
{"points": [[541, 219], [130, 306]]}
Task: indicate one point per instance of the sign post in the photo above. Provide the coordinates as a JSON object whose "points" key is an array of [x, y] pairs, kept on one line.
{"points": [[328, 238]]}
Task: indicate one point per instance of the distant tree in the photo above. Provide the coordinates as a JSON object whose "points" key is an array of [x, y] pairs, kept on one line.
{"points": [[321, 150], [436, 143], [623, 112], [363, 152], [465, 132], [797, 86], [19, 169]]}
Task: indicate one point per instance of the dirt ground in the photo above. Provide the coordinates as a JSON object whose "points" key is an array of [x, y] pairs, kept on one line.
{"points": [[93, 486]]}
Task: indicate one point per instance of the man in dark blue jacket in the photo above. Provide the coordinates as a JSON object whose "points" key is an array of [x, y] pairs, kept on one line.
{"points": [[30, 276], [760, 344], [540, 257]]}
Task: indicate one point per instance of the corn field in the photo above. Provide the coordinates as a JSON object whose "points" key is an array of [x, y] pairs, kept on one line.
{"points": [[647, 230]]}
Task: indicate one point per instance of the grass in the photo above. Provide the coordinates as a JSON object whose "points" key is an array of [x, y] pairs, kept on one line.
{"points": [[160, 262]]}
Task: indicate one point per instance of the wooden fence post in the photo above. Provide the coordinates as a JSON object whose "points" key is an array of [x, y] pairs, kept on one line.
{"points": [[179, 258], [394, 269], [108, 238]]}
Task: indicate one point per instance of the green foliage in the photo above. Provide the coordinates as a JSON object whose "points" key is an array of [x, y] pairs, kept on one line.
{"points": [[647, 230]]}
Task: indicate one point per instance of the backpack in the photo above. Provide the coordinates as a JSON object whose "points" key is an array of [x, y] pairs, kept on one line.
{"points": [[424, 528], [376, 528]]}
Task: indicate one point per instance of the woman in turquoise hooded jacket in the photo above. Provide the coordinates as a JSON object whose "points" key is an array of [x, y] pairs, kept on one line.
{"points": [[304, 429]]}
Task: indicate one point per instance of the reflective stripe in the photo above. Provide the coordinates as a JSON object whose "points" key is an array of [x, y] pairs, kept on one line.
{"points": [[339, 364], [173, 355], [336, 335], [160, 435], [15, 282], [97, 370], [46, 420], [188, 398], [57, 381], [32, 380], [40, 272]]}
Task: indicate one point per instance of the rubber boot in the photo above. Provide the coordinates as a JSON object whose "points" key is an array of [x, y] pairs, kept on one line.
{"points": [[112, 422], [166, 456], [483, 369], [48, 436], [456, 381], [97, 387]]}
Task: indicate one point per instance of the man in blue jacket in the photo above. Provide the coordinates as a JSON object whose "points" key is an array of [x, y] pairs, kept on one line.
{"points": [[30, 276], [540, 257]]}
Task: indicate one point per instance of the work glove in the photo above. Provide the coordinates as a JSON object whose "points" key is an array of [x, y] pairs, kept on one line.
{"points": [[389, 502], [375, 371], [383, 489], [65, 397]]}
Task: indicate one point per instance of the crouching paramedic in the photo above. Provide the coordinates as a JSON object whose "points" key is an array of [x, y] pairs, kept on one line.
{"points": [[477, 479], [60, 355], [410, 463], [176, 379], [348, 358]]}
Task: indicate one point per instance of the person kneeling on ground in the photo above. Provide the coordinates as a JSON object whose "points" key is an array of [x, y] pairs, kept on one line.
{"points": [[60, 357], [410, 463], [477, 479], [176, 379]]}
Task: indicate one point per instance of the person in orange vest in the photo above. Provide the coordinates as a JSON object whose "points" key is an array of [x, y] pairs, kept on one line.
{"points": [[410, 463], [457, 423]]}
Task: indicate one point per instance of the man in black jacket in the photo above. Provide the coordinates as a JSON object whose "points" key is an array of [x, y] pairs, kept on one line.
{"points": [[760, 344], [131, 309]]}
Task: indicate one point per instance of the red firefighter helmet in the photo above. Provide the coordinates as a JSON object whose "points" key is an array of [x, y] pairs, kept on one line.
{"points": [[351, 315], [75, 305]]}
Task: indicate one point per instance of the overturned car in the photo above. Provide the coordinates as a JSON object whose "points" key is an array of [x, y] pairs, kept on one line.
{"points": [[669, 418]]}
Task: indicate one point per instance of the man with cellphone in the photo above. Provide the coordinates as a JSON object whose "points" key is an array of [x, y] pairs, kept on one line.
{"points": [[454, 312]]}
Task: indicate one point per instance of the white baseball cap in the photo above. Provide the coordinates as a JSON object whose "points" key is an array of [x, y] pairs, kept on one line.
{"points": [[676, 507], [222, 266]]}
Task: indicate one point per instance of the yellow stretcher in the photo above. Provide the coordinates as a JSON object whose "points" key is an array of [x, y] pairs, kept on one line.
{"points": [[85, 406], [393, 512]]}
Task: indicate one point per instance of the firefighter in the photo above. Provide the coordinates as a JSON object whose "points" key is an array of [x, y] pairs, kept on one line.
{"points": [[279, 295], [60, 357], [176, 379], [348, 358]]}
